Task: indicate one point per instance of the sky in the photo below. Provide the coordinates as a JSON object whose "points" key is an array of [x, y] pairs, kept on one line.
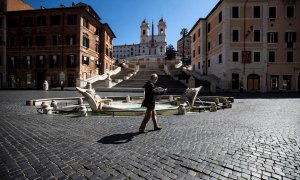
{"points": [[125, 16]]}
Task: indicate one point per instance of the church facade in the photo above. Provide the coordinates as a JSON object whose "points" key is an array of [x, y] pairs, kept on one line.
{"points": [[150, 44]]}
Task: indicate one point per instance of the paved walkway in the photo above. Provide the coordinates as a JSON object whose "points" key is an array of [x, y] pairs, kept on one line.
{"points": [[256, 139]]}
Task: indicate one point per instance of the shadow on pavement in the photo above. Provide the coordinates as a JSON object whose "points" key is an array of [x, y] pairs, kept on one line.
{"points": [[118, 138]]}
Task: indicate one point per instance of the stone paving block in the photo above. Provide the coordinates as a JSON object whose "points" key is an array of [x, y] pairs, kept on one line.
{"points": [[230, 144]]}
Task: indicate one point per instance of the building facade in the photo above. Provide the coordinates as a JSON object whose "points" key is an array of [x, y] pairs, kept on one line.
{"points": [[58, 45], [149, 44], [186, 47], [12, 5], [249, 45]]}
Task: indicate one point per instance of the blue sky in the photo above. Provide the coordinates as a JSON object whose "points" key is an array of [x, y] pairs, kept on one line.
{"points": [[125, 16]]}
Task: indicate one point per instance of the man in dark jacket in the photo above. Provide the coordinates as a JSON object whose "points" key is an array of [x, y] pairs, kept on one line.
{"points": [[149, 103]]}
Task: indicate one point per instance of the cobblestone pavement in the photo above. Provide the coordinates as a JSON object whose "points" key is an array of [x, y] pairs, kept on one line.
{"points": [[256, 139]]}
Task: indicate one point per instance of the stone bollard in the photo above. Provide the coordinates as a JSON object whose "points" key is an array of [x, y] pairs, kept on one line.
{"points": [[213, 108], [181, 109], [82, 111], [45, 86]]}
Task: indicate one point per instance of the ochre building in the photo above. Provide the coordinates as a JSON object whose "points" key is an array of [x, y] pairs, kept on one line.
{"points": [[60, 45], [250, 45]]}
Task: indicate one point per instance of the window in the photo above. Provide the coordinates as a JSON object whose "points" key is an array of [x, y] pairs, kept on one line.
{"points": [[208, 46], [220, 38], [290, 11], [27, 41], [256, 56], [85, 23], [199, 32], [86, 42], [287, 79], [272, 12], [40, 61], [28, 22], [220, 58], [272, 37], [256, 11], [71, 61], [194, 38], [256, 36], [208, 63], [271, 56], [71, 39], [208, 27], [235, 56], [199, 50], [41, 21], [55, 20], [85, 60], [97, 47], [11, 62], [54, 61], [290, 39], [235, 35], [40, 40], [54, 40], [274, 80], [98, 64], [72, 19], [144, 31], [235, 12], [194, 53], [11, 23], [290, 56], [11, 41], [199, 65], [27, 62], [220, 17]]}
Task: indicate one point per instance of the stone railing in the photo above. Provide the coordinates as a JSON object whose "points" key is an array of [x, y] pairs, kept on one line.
{"points": [[178, 65], [83, 83]]}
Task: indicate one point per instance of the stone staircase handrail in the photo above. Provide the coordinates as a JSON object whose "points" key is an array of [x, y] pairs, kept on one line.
{"points": [[178, 65]]}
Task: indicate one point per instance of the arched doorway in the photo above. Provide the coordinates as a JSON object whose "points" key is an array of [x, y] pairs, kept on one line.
{"points": [[253, 82]]}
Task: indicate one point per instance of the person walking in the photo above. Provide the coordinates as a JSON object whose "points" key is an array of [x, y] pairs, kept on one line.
{"points": [[149, 103]]}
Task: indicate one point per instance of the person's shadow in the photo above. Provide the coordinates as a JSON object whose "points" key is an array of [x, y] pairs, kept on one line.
{"points": [[118, 138]]}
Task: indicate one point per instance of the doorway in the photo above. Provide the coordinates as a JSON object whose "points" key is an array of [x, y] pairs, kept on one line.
{"points": [[40, 78], [235, 81], [253, 83]]}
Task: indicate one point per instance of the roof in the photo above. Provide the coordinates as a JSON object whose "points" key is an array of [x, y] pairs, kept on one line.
{"points": [[105, 24]]}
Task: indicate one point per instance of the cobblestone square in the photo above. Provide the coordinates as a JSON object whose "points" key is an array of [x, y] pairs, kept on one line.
{"points": [[258, 138]]}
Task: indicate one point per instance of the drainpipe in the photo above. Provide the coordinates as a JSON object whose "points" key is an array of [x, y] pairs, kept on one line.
{"points": [[244, 48], [245, 3], [206, 49]]}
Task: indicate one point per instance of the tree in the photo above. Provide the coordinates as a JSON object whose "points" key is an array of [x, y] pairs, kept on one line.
{"points": [[170, 52], [183, 33]]}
